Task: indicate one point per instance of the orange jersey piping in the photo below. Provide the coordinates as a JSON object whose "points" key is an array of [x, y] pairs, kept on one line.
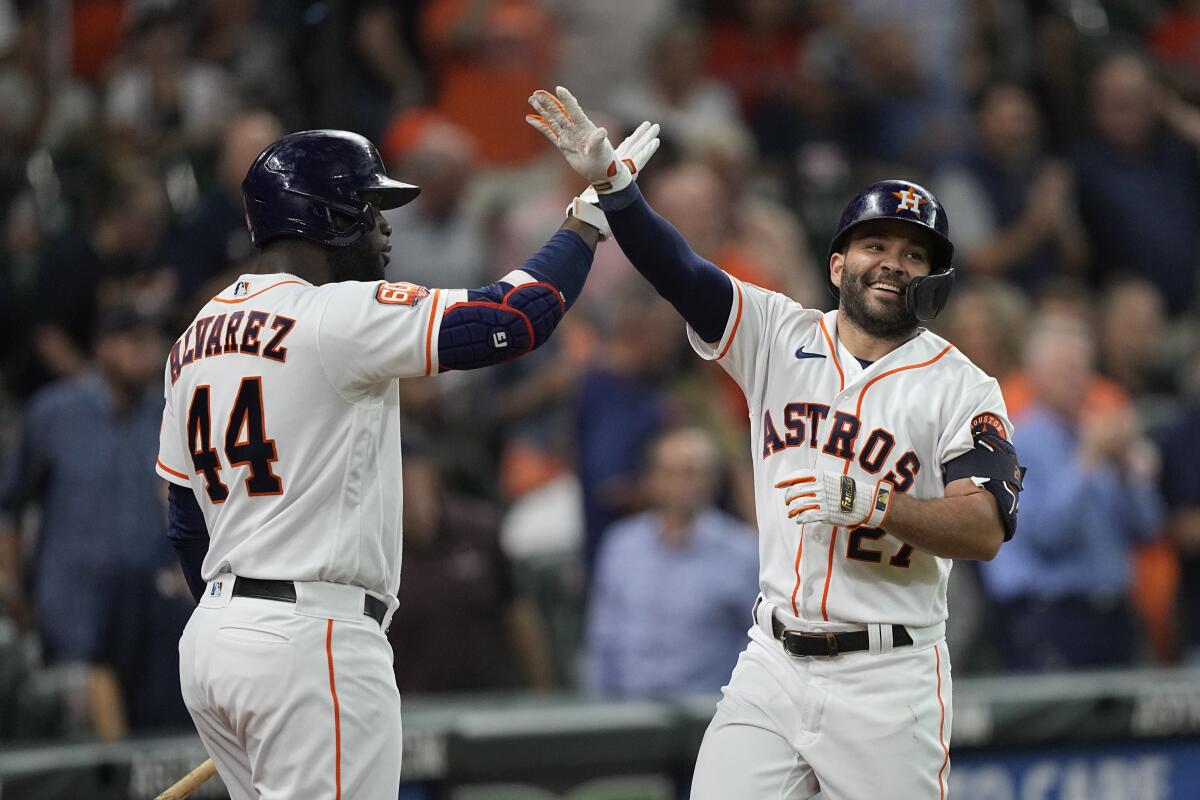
{"points": [[834, 355], [429, 334], [256, 294], [176, 473], [796, 588], [846, 468]]}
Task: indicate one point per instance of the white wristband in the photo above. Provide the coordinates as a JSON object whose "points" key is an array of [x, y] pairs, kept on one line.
{"points": [[879, 505]]}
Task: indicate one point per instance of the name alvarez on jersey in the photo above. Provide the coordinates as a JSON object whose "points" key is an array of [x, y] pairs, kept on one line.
{"points": [[238, 332]]}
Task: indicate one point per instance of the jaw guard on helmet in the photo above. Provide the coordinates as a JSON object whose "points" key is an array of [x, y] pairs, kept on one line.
{"points": [[906, 202], [311, 185]]}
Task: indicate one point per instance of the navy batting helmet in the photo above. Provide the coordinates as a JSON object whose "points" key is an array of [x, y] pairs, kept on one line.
{"points": [[907, 202], [311, 185]]}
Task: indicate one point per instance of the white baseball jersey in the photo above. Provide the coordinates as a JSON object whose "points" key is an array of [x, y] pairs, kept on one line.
{"points": [[282, 415], [813, 406]]}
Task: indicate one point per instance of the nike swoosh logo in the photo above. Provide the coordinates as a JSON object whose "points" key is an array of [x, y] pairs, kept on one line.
{"points": [[800, 353]]}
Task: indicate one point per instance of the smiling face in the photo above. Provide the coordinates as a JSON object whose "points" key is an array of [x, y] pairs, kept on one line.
{"points": [[872, 274], [366, 259]]}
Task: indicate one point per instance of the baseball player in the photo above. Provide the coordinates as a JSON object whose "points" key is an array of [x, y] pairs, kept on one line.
{"points": [[281, 442], [880, 454]]}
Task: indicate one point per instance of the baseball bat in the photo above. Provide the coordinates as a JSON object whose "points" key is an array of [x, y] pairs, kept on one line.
{"points": [[189, 783]]}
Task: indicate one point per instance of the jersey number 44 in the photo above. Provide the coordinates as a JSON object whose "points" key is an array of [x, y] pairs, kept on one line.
{"points": [[246, 442]]}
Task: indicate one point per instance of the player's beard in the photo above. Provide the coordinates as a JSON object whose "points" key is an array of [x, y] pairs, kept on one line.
{"points": [[356, 262], [885, 323]]}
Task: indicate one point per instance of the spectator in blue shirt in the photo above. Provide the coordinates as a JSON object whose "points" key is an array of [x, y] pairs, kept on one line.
{"points": [[674, 586], [101, 582], [1061, 587]]}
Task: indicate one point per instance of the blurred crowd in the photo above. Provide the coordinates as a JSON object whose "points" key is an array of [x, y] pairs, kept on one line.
{"points": [[582, 519]]}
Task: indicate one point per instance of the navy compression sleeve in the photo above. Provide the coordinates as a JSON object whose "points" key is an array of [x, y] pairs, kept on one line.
{"points": [[563, 262], [188, 535], [699, 290]]}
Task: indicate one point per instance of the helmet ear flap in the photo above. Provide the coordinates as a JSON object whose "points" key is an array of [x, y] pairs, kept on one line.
{"points": [[927, 295]]}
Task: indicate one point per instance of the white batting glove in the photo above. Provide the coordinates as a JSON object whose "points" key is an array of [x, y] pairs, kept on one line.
{"points": [[586, 147], [836, 499], [634, 153]]}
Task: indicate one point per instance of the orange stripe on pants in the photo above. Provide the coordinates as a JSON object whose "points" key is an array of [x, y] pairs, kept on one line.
{"points": [[337, 718], [937, 652]]}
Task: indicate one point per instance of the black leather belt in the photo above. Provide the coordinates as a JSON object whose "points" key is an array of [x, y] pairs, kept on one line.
{"points": [[285, 592], [805, 643]]}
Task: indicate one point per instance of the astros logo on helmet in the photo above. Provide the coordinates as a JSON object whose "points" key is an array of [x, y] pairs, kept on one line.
{"points": [[909, 200]]}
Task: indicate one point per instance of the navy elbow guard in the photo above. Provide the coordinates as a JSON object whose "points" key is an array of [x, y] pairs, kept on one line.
{"points": [[993, 464], [498, 323]]}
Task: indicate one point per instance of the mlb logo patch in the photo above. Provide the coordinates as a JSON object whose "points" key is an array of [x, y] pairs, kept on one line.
{"points": [[241, 288], [400, 293], [215, 588]]}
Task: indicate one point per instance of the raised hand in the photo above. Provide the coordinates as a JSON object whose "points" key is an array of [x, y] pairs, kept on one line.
{"points": [[586, 147], [634, 152]]}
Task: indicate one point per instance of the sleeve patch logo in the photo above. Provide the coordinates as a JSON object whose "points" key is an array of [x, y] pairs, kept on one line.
{"points": [[401, 294], [988, 423]]}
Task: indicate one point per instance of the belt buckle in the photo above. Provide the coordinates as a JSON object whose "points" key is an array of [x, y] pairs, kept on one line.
{"points": [[831, 645]]}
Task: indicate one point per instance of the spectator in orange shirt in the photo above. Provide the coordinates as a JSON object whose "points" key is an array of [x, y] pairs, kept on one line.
{"points": [[487, 56]]}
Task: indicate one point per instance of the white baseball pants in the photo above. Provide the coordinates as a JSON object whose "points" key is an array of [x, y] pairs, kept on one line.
{"points": [[854, 726], [293, 699]]}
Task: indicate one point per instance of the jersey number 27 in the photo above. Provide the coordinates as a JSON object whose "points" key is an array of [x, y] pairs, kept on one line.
{"points": [[246, 442]]}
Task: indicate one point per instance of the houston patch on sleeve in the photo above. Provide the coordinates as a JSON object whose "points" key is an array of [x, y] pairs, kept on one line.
{"points": [[988, 423]]}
